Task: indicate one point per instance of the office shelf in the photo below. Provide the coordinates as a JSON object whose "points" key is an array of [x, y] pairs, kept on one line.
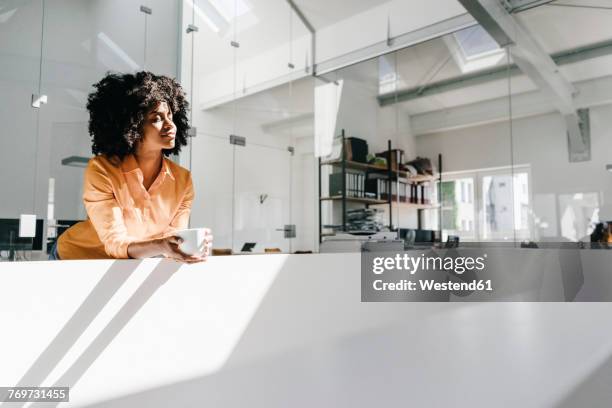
{"points": [[363, 200], [416, 206], [420, 178], [423, 178], [378, 172], [373, 201]]}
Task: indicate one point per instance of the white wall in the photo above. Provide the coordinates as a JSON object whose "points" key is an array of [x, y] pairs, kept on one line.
{"points": [[541, 143]]}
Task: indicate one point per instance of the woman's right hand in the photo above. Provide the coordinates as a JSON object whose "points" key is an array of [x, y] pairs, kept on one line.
{"points": [[167, 246], [170, 248]]}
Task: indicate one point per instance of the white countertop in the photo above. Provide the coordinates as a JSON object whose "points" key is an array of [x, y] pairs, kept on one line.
{"points": [[287, 330]]}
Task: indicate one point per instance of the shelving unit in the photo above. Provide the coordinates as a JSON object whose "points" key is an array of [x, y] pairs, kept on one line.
{"points": [[369, 167], [415, 206], [391, 175], [370, 201], [373, 201]]}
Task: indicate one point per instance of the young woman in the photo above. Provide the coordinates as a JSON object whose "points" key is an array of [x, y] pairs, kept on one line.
{"points": [[134, 196]]}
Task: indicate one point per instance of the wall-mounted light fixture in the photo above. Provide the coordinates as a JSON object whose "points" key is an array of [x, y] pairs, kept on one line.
{"points": [[75, 161], [37, 100]]}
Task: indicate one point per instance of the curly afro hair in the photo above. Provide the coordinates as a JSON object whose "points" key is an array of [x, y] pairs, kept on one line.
{"points": [[118, 108]]}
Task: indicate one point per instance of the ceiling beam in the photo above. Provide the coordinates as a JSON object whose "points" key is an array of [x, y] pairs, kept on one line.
{"points": [[526, 52], [534, 62], [301, 16], [492, 74], [515, 6], [593, 92]]}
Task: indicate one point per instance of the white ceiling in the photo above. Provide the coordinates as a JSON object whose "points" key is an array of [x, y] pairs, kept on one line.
{"points": [[322, 13], [561, 28]]}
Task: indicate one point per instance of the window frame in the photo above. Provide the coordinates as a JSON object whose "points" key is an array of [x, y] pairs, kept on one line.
{"points": [[478, 176]]}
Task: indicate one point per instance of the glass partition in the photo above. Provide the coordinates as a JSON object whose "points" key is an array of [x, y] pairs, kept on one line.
{"points": [[564, 143], [262, 200], [451, 137], [519, 141], [19, 83], [51, 53], [72, 61], [20, 80], [460, 113], [377, 137], [253, 114], [409, 119], [246, 47], [212, 172]]}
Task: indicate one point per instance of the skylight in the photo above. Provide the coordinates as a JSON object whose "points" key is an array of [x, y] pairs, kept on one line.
{"points": [[219, 14], [387, 77], [473, 49], [226, 8], [475, 42]]}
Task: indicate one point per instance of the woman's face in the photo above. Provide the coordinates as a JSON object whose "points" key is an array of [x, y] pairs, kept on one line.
{"points": [[159, 131]]}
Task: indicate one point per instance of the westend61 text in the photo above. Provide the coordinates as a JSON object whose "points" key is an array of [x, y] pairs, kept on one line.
{"points": [[429, 284]]}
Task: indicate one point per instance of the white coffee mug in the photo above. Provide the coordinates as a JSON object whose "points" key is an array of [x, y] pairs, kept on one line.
{"points": [[194, 240]]}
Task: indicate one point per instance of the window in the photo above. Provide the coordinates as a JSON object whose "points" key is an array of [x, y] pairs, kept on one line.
{"points": [[457, 210], [486, 205], [473, 49], [505, 205]]}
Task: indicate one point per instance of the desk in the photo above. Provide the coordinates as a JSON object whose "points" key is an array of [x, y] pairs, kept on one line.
{"points": [[288, 330]]}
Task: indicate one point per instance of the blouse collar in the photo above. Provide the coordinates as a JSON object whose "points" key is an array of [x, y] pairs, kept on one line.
{"points": [[129, 164]]}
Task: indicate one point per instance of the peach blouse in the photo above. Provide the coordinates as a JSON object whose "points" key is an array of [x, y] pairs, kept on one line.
{"points": [[121, 210]]}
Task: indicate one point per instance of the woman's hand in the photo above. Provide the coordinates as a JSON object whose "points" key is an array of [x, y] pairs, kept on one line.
{"points": [[169, 247], [171, 250]]}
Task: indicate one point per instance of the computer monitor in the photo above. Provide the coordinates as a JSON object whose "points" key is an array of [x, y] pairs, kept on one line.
{"points": [[248, 247], [420, 236], [9, 236], [452, 241]]}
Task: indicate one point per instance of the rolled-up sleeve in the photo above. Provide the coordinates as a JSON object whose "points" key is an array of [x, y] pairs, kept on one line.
{"points": [[104, 212], [181, 217]]}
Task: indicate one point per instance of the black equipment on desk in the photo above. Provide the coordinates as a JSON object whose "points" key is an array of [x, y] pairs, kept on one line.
{"points": [[418, 236], [10, 240], [452, 241], [248, 247]]}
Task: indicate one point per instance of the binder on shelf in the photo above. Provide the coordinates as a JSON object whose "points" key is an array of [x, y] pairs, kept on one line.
{"points": [[354, 184]]}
